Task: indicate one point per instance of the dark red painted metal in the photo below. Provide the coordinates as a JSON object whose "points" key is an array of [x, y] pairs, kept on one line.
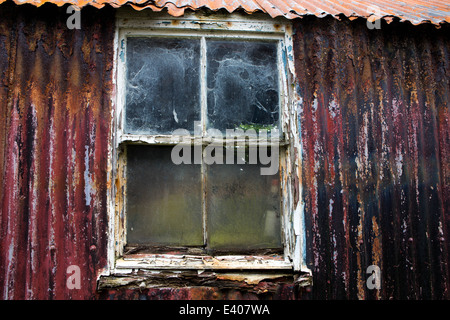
{"points": [[375, 129], [55, 111], [284, 292], [376, 146]]}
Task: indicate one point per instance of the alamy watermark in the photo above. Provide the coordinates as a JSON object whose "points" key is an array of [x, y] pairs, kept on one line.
{"points": [[265, 152], [374, 19], [74, 277], [374, 280], [74, 20]]}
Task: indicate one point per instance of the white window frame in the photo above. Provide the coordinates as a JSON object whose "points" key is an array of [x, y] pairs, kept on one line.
{"points": [[198, 24]]}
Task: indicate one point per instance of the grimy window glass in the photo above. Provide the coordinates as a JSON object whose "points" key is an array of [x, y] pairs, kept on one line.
{"points": [[164, 203], [163, 85], [223, 84], [242, 84], [243, 207]]}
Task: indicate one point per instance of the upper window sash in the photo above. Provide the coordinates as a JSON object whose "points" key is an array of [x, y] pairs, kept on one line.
{"points": [[224, 27]]}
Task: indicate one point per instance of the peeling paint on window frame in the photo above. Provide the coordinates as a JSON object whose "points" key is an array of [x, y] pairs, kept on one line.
{"points": [[238, 26]]}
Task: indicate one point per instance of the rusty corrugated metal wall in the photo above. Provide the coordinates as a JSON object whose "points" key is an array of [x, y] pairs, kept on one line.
{"points": [[376, 145], [376, 159], [55, 89]]}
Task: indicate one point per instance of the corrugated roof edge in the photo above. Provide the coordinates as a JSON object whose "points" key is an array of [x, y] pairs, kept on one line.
{"points": [[252, 6]]}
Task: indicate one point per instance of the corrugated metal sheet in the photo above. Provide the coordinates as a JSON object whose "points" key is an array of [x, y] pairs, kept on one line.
{"points": [[375, 127], [55, 89], [416, 11], [284, 292]]}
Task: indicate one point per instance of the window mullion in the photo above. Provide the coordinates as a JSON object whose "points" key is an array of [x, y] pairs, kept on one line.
{"points": [[203, 100], [203, 89]]}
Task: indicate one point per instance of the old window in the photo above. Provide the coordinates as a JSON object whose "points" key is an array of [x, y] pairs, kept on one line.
{"points": [[164, 96], [202, 158]]}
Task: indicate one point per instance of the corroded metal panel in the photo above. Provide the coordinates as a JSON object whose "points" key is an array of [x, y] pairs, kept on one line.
{"points": [[285, 292], [376, 138], [55, 111]]}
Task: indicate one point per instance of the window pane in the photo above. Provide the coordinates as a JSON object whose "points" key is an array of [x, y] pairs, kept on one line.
{"points": [[164, 205], [243, 207], [242, 80], [163, 85]]}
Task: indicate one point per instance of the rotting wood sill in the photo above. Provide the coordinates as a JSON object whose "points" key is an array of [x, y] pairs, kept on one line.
{"points": [[203, 262], [255, 273], [255, 281]]}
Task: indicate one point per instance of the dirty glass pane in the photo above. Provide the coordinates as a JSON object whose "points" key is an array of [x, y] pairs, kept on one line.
{"points": [[242, 81], [164, 205], [163, 85], [243, 207]]}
